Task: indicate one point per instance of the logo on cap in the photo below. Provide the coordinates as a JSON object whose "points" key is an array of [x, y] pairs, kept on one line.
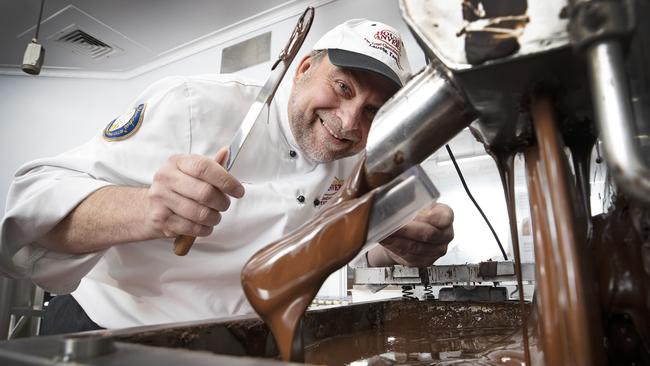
{"points": [[389, 42]]}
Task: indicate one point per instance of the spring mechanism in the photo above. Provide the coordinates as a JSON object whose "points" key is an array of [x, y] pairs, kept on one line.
{"points": [[408, 292], [428, 292]]}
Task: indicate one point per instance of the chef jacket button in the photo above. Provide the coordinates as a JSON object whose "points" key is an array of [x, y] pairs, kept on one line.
{"points": [[301, 199], [293, 153], [316, 202]]}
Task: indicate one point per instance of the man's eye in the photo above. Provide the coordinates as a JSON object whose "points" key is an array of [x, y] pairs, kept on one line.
{"points": [[343, 87]]}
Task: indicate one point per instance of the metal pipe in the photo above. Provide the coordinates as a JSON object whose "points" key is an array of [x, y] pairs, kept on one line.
{"points": [[615, 118], [16, 326], [417, 121], [6, 303]]}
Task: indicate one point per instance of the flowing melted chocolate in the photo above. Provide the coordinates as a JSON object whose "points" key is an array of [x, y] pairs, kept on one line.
{"points": [[505, 165], [569, 324], [281, 280]]}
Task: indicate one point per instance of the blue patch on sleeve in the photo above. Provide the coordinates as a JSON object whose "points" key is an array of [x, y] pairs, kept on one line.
{"points": [[125, 126]]}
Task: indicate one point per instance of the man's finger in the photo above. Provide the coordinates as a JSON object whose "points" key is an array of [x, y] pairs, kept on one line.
{"points": [[221, 156], [440, 216], [211, 172], [182, 226], [193, 211], [197, 190], [423, 232], [169, 234]]}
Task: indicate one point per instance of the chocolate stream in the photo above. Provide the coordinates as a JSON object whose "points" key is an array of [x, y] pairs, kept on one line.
{"points": [[505, 165], [281, 280], [570, 330]]}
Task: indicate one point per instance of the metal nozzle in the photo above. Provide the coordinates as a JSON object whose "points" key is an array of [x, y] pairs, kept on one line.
{"points": [[417, 121]]}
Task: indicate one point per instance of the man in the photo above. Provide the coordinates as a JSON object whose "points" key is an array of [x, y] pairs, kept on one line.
{"points": [[99, 221]]}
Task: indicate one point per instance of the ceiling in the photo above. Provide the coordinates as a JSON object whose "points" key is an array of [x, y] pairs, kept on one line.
{"points": [[139, 32]]}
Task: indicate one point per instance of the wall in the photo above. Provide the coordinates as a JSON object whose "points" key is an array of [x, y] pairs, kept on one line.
{"points": [[473, 241]]}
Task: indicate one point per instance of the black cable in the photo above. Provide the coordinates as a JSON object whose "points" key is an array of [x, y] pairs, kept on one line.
{"points": [[462, 180], [40, 16]]}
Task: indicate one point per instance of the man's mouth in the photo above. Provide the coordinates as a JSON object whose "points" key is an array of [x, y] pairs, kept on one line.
{"points": [[336, 136]]}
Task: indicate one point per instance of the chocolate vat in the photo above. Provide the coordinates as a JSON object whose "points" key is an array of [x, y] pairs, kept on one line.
{"points": [[405, 330], [345, 334]]}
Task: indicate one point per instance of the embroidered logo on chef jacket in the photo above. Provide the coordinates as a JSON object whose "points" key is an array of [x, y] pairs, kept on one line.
{"points": [[126, 125], [331, 191]]}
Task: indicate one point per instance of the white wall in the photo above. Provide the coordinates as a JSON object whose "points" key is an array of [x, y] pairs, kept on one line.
{"points": [[473, 241], [45, 116]]}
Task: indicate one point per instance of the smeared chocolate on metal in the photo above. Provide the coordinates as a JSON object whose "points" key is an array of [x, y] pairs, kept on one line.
{"points": [[494, 28]]}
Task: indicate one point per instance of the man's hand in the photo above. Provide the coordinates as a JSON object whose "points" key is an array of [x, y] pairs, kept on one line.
{"points": [[418, 243], [188, 195]]}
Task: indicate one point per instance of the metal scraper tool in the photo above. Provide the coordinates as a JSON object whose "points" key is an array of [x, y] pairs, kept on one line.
{"points": [[183, 243]]}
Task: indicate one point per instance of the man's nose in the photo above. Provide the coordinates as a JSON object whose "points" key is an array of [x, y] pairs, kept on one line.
{"points": [[350, 114]]}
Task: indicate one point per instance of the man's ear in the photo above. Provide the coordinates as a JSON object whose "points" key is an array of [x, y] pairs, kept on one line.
{"points": [[304, 65]]}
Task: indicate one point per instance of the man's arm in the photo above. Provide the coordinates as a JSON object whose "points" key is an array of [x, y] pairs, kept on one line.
{"points": [[419, 243], [109, 216], [185, 198]]}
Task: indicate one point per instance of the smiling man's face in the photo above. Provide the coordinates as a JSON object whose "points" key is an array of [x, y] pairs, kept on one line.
{"points": [[331, 109]]}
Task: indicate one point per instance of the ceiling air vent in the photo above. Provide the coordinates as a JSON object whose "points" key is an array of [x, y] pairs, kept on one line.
{"points": [[83, 43]]}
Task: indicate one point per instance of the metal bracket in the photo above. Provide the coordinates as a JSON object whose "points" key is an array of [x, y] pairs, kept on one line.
{"points": [[592, 21], [444, 274], [473, 293], [81, 347]]}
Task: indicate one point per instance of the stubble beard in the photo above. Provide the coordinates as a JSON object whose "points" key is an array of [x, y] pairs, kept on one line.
{"points": [[303, 128]]}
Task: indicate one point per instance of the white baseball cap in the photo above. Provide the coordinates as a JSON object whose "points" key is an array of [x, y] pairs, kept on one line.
{"points": [[367, 45]]}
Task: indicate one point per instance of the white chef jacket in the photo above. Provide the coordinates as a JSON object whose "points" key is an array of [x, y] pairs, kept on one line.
{"points": [[145, 283]]}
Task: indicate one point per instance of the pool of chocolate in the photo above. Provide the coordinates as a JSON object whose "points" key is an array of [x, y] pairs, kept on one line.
{"points": [[375, 333]]}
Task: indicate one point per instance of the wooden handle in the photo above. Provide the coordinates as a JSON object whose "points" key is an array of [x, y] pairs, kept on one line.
{"points": [[182, 244]]}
